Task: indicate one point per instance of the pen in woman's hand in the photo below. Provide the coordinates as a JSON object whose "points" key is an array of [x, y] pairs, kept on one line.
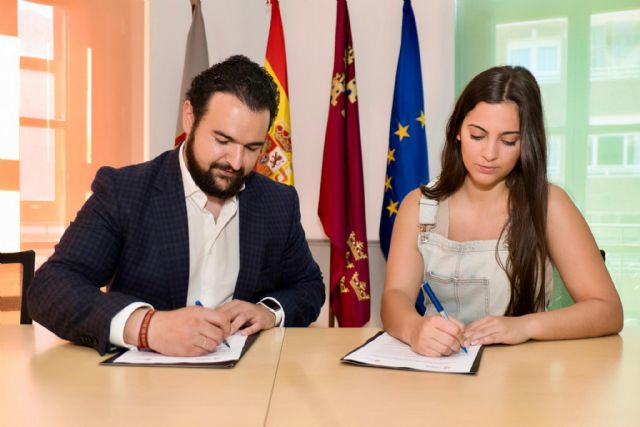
{"points": [[439, 308], [224, 340]]}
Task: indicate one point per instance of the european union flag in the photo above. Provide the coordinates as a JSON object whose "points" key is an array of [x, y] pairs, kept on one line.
{"points": [[407, 163]]}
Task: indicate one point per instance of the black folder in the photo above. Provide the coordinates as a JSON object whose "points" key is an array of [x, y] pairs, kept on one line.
{"points": [[113, 360]]}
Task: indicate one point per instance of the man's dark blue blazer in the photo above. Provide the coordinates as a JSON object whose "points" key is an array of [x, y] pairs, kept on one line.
{"points": [[132, 236]]}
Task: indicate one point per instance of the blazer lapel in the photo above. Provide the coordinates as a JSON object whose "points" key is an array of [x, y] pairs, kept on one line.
{"points": [[251, 239], [170, 211]]}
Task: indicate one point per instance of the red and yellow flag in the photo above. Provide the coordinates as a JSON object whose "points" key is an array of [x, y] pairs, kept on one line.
{"points": [[275, 160], [341, 205], [196, 60]]}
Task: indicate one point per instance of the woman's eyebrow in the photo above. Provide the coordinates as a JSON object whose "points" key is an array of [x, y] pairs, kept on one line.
{"points": [[509, 132]]}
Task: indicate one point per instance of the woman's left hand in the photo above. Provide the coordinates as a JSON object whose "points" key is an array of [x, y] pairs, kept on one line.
{"points": [[497, 330]]}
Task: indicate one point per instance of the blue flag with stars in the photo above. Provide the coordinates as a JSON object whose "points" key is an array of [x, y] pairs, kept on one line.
{"points": [[407, 163]]}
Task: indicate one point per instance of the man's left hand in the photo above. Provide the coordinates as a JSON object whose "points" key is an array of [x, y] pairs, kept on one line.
{"points": [[247, 317]]}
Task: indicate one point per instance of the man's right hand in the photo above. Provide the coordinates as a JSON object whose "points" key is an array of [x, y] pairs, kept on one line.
{"points": [[189, 331]]}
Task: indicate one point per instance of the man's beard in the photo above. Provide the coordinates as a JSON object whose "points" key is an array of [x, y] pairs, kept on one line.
{"points": [[205, 179]]}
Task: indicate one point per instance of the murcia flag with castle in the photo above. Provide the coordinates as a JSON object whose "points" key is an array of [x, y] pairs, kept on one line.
{"points": [[341, 205]]}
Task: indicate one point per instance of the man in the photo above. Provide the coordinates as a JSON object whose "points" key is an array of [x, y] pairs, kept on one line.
{"points": [[192, 227]]}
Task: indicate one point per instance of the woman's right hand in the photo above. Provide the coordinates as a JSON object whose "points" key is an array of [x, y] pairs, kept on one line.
{"points": [[436, 336]]}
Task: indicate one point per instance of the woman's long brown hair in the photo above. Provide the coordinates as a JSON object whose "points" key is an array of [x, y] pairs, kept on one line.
{"points": [[527, 182]]}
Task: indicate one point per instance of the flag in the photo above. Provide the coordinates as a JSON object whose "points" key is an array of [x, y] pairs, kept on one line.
{"points": [[341, 205], [275, 159], [196, 60], [407, 163]]}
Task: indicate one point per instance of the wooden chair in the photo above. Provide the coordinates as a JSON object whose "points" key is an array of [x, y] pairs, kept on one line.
{"points": [[15, 303]]}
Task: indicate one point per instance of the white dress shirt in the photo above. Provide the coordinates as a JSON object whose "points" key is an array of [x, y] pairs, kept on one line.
{"points": [[214, 245], [214, 253]]}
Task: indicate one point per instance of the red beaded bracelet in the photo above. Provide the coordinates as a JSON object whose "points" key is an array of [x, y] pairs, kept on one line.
{"points": [[143, 343]]}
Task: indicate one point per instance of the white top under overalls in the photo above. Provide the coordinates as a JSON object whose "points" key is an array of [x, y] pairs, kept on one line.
{"points": [[465, 276]]}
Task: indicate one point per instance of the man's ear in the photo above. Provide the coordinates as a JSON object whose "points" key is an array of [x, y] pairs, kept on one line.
{"points": [[187, 117]]}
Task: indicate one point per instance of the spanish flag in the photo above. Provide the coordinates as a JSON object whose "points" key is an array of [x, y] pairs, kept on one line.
{"points": [[275, 160]]}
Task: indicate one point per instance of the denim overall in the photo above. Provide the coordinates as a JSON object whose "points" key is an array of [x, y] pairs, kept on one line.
{"points": [[465, 276]]}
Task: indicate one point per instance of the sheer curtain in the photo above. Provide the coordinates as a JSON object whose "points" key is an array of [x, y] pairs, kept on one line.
{"points": [[72, 78]]}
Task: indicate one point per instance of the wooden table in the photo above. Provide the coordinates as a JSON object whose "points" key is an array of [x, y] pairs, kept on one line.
{"points": [[593, 382], [49, 382], [293, 377]]}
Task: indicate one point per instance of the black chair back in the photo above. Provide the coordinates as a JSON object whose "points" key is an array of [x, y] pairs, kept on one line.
{"points": [[28, 261]]}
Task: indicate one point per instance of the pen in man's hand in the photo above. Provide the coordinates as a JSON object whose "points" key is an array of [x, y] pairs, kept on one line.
{"points": [[224, 340], [436, 302]]}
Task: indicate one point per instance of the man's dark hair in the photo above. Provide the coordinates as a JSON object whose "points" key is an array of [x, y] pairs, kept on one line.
{"points": [[240, 77]]}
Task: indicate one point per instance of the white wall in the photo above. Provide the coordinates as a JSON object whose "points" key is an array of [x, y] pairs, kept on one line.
{"points": [[241, 26]]}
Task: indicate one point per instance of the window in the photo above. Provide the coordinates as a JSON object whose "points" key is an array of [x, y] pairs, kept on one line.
{"points": [[535, 45], [586, 57], [615, 45], [543, 61], [42, 125], [555, 158], [56, 132], [614, 154]]}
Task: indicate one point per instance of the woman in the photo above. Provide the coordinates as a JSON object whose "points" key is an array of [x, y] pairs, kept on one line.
{"points": [[487, 231]]}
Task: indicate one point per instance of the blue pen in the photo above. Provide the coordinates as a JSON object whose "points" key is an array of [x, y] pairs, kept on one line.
{"points": [[224, 341], [436, 302]]}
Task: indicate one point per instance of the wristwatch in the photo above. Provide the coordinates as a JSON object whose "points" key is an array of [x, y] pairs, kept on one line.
{"points": [[273, 307]]}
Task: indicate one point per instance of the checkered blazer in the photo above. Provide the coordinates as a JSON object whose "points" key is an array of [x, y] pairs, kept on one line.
{"points": [[132, 235]]}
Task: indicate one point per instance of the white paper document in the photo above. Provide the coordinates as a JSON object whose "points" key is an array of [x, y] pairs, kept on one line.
{"points": [[389, 352], [220, 355]]}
